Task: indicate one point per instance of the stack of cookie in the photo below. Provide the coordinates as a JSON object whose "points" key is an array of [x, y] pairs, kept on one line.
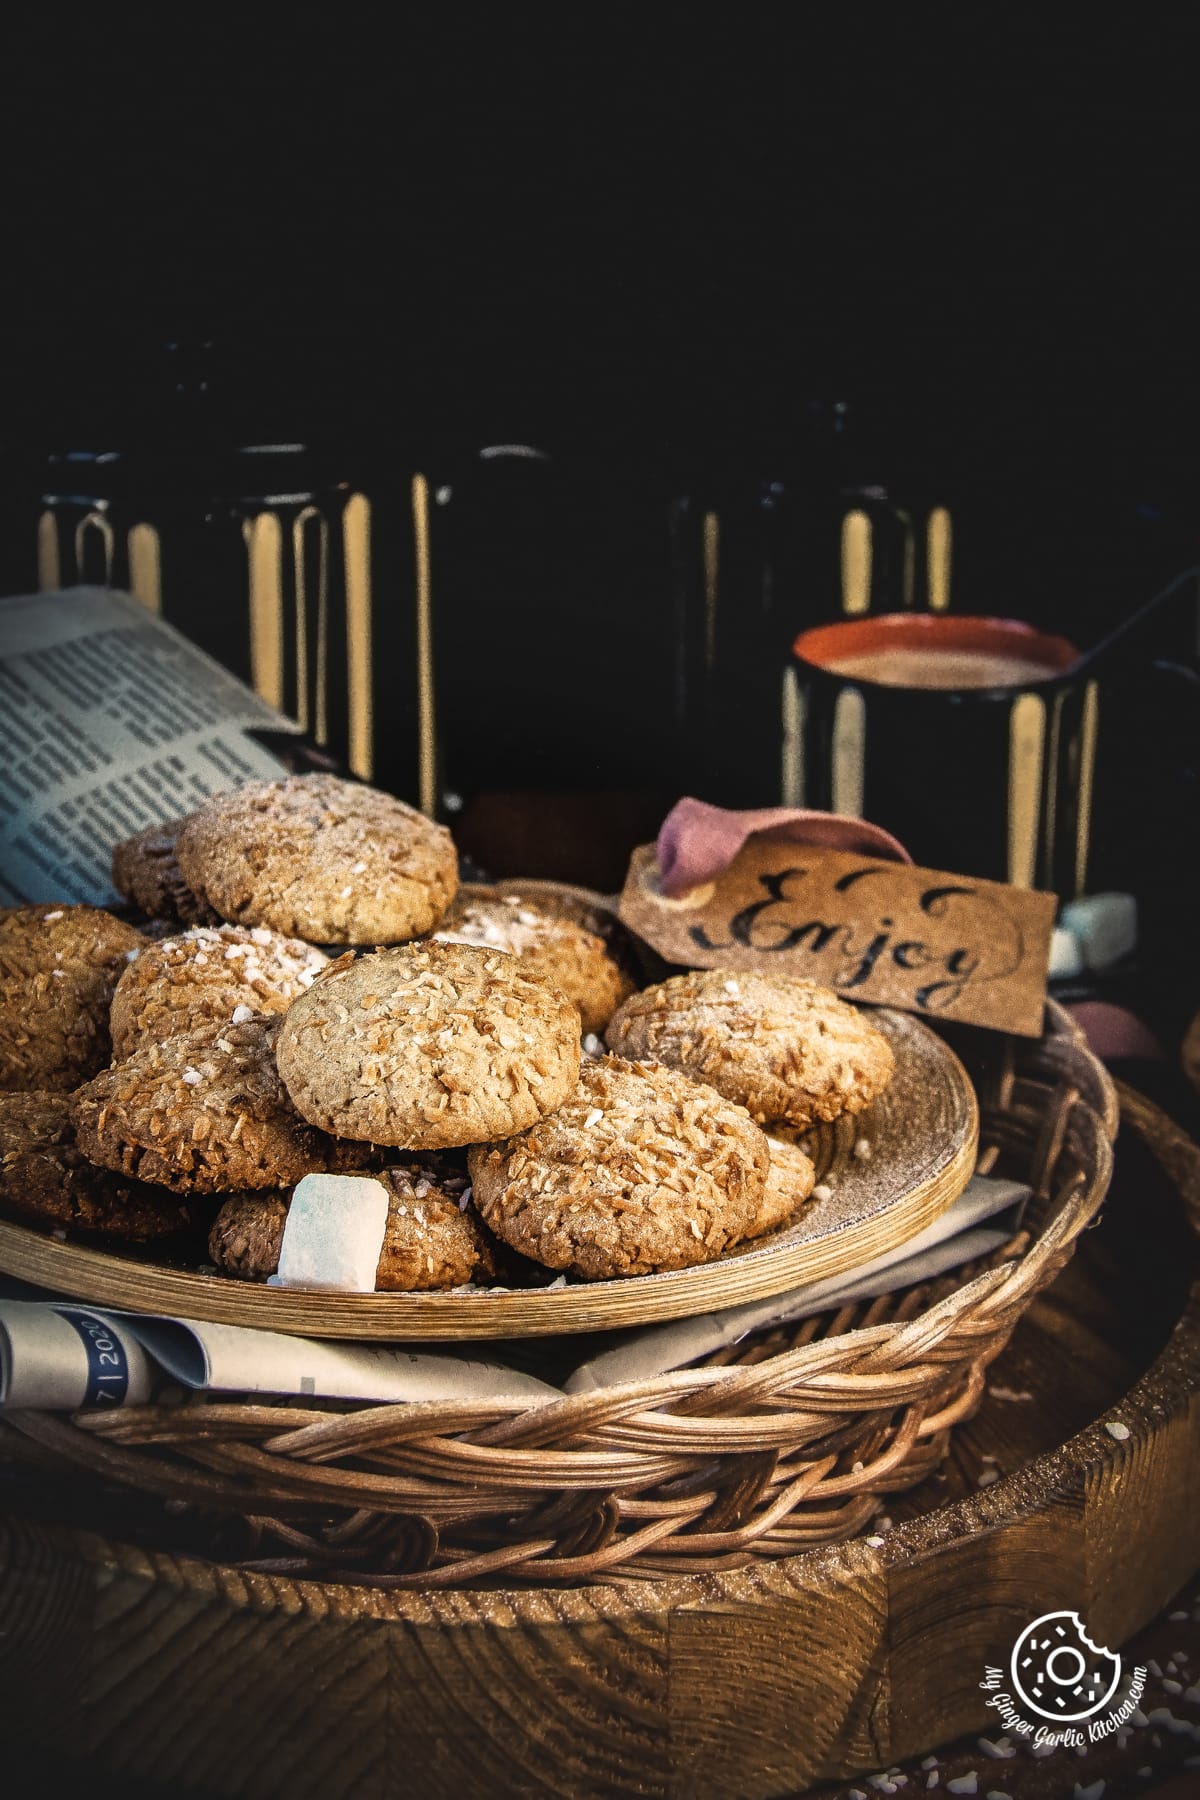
{"points": [[150, 1081]]}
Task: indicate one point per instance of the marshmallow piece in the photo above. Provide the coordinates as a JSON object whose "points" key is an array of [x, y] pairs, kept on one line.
{"points": [[334, 1234], [1105, 926], [1066, 957]]}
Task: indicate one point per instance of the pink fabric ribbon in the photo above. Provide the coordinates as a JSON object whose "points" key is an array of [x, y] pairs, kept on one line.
{"points": [[698, 842]]}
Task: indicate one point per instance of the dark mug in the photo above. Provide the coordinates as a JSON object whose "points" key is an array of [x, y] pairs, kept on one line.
{"points": [[972, 740]]}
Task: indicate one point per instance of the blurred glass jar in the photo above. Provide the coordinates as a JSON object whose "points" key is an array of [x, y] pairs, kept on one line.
{"points": [[260, 552]]}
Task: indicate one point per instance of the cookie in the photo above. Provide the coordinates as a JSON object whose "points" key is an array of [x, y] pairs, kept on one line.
{"points": [[554, 948], [642, 1169], [783, 1048], [319, 858], [146, 871], [58, 968], [429, 1045], [557, 901], [247, 1233], [46, 1180], [208, 976], [431, 1240], [790, 1181], [205, 1113]]}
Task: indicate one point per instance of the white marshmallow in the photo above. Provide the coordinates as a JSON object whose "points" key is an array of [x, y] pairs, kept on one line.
{"points": [[1066, 957], [334, 1234], [1105, 926]]}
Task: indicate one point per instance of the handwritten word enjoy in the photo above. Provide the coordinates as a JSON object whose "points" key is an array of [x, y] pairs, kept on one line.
{"points": [[850, 950]]}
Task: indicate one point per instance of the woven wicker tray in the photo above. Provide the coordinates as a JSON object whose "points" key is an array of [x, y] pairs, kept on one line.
{"points": [[786, 1441]]}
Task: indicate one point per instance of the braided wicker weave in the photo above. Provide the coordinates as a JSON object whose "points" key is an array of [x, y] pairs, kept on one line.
{"points": [[785, 1441]]}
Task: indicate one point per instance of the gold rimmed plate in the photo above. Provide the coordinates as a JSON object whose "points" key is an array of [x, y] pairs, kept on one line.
{"points": [[890, 1173]]}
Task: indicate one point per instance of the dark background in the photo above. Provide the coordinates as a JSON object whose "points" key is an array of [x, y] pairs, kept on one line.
{"points": [[664, 248], [624, 227]]}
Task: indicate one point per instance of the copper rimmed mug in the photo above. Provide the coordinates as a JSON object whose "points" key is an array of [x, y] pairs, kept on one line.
{"points": [[972, 740]]}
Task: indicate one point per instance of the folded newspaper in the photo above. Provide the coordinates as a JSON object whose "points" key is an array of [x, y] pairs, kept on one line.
{"points": [[60, 1355], [110, 720]]}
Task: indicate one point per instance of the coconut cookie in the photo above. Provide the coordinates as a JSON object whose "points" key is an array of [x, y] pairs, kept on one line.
{"points": [[319, 858], [553, 948], [46, 1179], [58, 968], [641, 1169], [783, 1048], [431, 1240], [146, 870], [205, 1113], [247, 1233], [208, 976], [427, 1046], [789, 1183]]}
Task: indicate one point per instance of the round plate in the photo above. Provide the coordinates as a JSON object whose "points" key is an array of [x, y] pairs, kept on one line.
{"points": [[891, 1171]]}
